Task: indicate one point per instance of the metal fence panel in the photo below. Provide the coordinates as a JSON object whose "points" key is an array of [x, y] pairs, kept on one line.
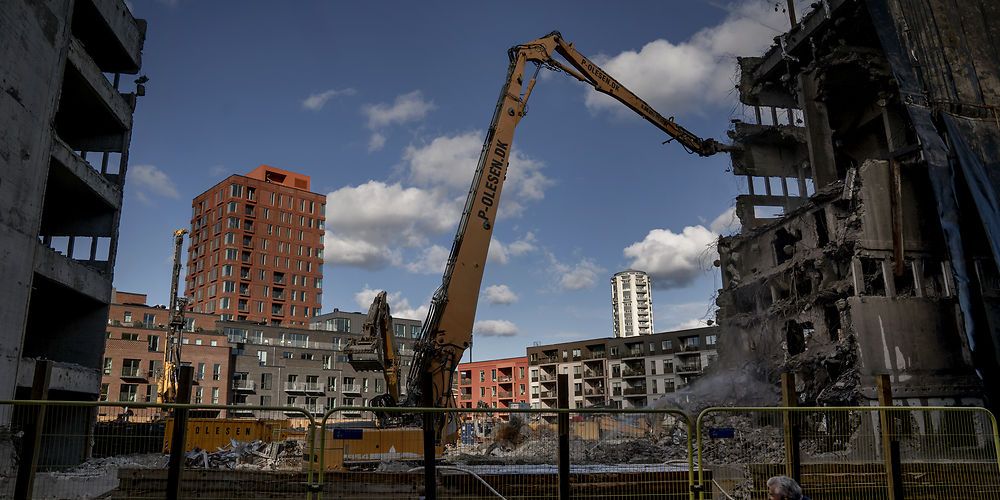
{"points": [[508, 453], [113, 450], [944, 452]]}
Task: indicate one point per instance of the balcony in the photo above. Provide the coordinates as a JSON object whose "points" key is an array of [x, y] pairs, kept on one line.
{"points": [[594, 392], [350, 389], [547, 377], [593, 374], [465, 381], [244, 385], [133, 372], [465, 396], [626, 373], [633, 353], [548, 394], [315, 409], [595, 357], [635, 391], [505, 379], [688, 368], [505, 394], [279, 280]]}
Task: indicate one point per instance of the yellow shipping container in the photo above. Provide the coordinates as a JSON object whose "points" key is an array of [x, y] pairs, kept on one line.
{"points": [[214, 433]]}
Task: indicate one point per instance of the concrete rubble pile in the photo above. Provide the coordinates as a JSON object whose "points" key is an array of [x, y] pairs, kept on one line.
{"points": [[257, 455]]}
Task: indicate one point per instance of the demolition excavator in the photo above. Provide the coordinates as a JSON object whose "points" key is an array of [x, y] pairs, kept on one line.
{"points": [[447, 330], [167, 380]]}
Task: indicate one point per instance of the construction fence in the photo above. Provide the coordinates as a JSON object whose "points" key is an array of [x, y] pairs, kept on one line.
{"points": [[70, 450]]}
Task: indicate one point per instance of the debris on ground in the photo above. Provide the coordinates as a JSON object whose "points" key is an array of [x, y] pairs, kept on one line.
{"points": [[260, 455]]}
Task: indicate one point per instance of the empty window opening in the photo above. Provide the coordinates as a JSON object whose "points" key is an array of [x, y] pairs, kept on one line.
{"points": [[768, 212], [784, 244], [759, 185], [872, 277], [793, 187], [905, 283], [831, 316], [810, 188], [795, 336], [776, 188], [822, 230]]}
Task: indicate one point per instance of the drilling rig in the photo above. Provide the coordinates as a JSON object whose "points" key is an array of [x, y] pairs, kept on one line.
{"points": [[166, 390]]}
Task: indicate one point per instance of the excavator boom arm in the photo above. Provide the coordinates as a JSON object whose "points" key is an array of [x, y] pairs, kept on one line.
{"points": [[448, 327]]}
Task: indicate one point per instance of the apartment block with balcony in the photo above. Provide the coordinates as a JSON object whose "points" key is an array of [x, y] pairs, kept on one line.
{"points": [[617, 372], [306, 368], [134, 353], [256, 251], [632, 303], [495, 383]]}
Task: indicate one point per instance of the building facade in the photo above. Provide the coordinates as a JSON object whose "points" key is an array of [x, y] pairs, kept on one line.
{"points": [[866, 245], [306, 367], [495, 383], [632, 303], [67, 122], [620, 372], [256, 251], [134, 354]]}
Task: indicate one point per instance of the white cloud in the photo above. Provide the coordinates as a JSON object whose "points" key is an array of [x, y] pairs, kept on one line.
{"points": [[150, 180], [367, 224], [217, 170], [376, 142], [399, 307], [499, 294], [342, 251], [697, 72], [406, 108], [431, 261], [577, 276], [673, 260], [726, 223], [315, 102], [451, 161], [494, 328], [501, 253], [377, 224]]}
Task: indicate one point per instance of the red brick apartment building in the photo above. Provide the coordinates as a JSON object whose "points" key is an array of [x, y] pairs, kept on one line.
{"points": [[256, 251], [495, 383], [134, 351]]}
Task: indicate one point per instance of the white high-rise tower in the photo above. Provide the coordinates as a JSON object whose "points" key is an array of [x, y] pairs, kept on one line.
{"points": [[632, 303]]}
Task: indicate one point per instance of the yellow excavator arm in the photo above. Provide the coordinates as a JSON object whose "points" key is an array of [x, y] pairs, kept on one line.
{"points": [[447, 330]]}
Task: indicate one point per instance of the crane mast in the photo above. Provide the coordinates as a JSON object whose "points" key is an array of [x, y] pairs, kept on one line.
{"points": [[168, 382]]}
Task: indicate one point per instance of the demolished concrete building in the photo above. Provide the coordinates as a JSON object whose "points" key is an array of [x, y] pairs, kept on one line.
{"points": [[874, 130], [66, 126]]}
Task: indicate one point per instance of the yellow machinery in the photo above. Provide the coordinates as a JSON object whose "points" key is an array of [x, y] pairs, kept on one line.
{"points": [[447, 330]]}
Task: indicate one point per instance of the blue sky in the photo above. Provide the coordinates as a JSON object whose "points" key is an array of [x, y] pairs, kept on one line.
{"points": [[384, 105]]}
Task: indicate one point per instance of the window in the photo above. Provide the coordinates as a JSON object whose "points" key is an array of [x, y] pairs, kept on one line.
{"points": [[265, 381], [130, 367], [327, 362], [667, 345], [399, 330], [493, 374], [201, 372], [287, 355], [148, 319], [104, 393], [128, 392], [216, 371], [482, 376], [130, 336], [711, 339], [107, 366], [215, 395], [128, 317]]}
